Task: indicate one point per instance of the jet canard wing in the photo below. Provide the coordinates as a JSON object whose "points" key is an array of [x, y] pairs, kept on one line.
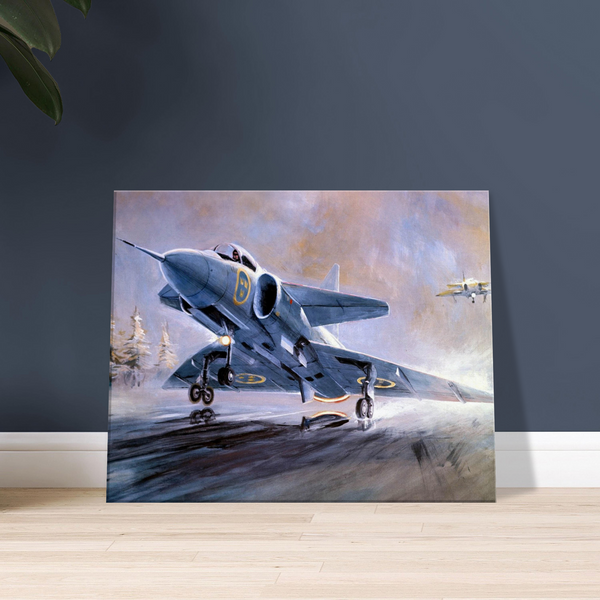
{"points": [[169, 297], [347, 368], [326, 307], [252, 373]]}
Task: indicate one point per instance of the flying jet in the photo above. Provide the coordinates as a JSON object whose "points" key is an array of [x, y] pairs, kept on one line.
{"points": [[470, 288], [276, 336]]}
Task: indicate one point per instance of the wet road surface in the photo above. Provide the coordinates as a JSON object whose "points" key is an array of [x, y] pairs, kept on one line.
{"points": [[270, 447]]}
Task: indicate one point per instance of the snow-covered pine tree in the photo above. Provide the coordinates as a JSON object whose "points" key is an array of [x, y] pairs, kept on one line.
{"points": [[167, 359], [136, 349], [117, 356]]}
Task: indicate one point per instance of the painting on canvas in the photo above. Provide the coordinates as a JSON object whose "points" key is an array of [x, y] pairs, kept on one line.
{"points": [[301, 346]]}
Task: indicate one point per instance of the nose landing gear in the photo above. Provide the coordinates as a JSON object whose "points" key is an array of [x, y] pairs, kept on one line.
{"points": [[225, 375], [201, 390], [198, 392]]}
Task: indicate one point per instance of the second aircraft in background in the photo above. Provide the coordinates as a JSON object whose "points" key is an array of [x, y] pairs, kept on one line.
{"points": [[470, 288]]}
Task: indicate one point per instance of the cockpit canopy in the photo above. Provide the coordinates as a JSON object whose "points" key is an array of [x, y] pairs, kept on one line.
{"points": [[237, 254]]}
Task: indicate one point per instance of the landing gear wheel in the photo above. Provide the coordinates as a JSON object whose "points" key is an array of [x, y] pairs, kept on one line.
{"points": [[362, 407], [226, 376], [208, 396], [195, 393], [370, 408]]}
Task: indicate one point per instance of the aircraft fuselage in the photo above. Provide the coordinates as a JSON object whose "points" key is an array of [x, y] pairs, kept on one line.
{"points": [[251, 307]]}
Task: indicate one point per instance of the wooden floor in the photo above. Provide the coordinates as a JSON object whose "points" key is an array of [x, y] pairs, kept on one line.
{"points": [[69, 544]]}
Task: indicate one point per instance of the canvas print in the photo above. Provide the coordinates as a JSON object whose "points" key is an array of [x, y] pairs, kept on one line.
{"points": [[301, 346]]}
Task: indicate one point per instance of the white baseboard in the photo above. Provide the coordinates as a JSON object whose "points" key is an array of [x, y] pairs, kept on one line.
{"points": [[548, 459], [58, 460], [523, 459]]}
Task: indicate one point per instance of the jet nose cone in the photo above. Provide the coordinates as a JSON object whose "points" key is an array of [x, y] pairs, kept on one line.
{"points": [[187, 271], [195, 276]]}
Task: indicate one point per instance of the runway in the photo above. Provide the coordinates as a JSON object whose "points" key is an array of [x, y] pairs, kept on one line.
{"points": [[271, 447]]}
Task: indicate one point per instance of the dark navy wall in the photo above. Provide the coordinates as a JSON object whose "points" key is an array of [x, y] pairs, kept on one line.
{"points": [[308, 94]]}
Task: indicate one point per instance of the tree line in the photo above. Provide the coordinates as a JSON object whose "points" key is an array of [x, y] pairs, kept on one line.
{"points": [[131, 354]]}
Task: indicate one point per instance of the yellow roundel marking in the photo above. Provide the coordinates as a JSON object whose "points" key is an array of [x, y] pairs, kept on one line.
{"points": [[332, 400], [380, 383], [242, 287], [249, 378]]}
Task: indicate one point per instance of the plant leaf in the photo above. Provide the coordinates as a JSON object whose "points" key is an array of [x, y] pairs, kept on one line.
{"points": [[83, 5], [34, 21], [31, 74]]}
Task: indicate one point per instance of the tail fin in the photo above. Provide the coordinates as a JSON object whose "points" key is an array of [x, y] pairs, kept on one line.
{"points": [[332, 282]]}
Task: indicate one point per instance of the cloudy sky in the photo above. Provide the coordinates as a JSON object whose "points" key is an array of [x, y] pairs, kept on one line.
{"points": [[401, 247]]}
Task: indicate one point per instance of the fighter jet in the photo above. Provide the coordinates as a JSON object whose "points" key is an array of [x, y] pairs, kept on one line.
{"points": [[276, 336], [470, 288]]}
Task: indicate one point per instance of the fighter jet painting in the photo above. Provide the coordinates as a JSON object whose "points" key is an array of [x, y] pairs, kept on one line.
{"points": [[272, 336], [470, 288], [349, 386]]}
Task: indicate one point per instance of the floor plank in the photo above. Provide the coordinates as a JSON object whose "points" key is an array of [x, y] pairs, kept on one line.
{"points": [[70, 544]]}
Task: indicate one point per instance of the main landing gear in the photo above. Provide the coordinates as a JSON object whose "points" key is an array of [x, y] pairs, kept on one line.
{"points": [[226, 376], [365, 407]]}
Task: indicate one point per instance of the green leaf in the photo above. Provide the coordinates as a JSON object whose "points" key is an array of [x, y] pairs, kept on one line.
{"points": [[34, 21], [83, 5], [31, 74]]}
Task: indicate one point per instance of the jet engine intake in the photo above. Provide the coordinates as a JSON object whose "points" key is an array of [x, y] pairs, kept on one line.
{"points": [[279, 313], [267, 296]]}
